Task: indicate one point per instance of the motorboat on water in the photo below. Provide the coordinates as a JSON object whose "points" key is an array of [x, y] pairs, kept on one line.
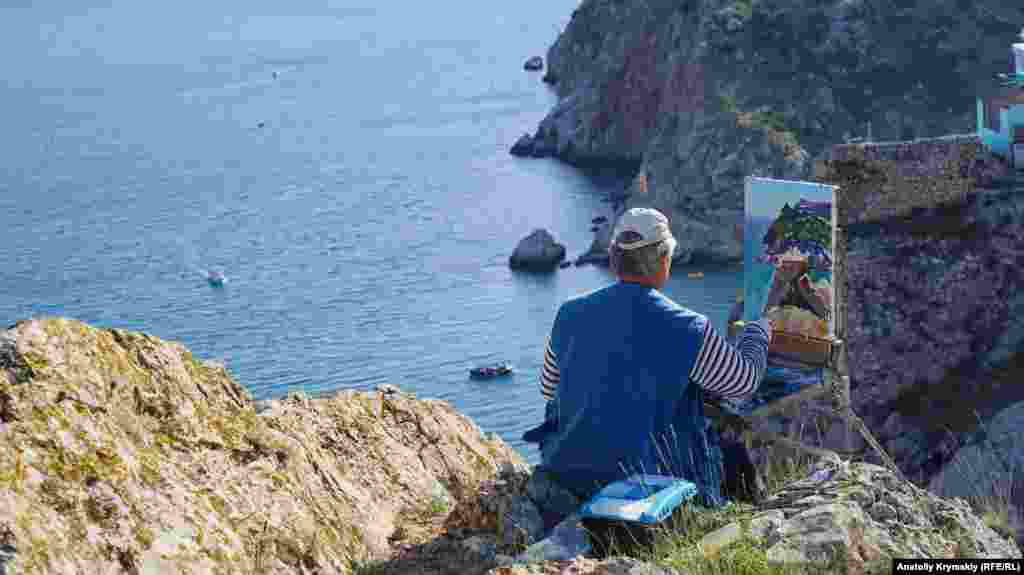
{"points": [[216, 278], [490, 371]]}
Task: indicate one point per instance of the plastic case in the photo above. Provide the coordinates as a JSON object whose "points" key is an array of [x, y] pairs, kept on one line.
{"points": [[627, 514]]}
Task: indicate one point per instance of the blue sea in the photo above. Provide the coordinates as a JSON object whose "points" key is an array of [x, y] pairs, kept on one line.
{"points": [[345, 165]]}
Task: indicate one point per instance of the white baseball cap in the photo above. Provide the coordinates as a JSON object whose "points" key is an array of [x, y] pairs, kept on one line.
{"points": [[650, 225]]}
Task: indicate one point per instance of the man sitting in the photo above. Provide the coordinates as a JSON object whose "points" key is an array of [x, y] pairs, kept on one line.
{"points": [[626, 370]]}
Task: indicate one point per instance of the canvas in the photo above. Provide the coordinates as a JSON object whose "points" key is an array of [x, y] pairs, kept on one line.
{"points": [[789, 220]]}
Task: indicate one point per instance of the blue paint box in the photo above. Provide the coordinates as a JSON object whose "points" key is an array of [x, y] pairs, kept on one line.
{"points": [[626, 514]]}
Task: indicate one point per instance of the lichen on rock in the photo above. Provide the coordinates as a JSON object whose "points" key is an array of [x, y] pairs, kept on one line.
{"points": [[130, 455]]}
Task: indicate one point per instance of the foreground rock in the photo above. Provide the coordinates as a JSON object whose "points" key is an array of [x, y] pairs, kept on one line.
{"points": [[854, 517], [864, 512], [129, 455], [537, 252]]}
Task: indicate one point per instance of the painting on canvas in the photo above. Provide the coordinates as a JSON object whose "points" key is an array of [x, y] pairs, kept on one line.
{"points": [[789, 221]]}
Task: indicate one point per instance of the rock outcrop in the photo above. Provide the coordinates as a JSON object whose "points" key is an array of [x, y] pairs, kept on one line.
{"points": [[931, 248], [537, 252], [125, 454], [705, 92], [852, 517]]}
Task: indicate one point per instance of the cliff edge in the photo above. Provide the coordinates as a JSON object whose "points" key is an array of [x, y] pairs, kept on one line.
{"points": [[703, 93], [123, 453]]}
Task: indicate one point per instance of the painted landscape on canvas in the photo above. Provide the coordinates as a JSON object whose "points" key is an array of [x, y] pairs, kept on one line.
{"points": [[789, 221]]}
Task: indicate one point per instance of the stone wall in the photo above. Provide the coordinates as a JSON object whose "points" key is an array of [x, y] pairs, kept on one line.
{"points": [[929, 261], [883, 180]]}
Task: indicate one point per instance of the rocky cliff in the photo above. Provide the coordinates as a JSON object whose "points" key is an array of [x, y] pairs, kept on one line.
{"points": [[703, 93], [123, 453], [931, 248]]}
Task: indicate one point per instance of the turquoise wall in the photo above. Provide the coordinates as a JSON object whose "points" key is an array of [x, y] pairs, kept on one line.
{"points": [[1016, 118], [1008, 118], [999, 143], [981, 116]]}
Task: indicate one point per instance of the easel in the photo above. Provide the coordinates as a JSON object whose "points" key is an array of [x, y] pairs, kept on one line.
{"points": [[835, 389]]}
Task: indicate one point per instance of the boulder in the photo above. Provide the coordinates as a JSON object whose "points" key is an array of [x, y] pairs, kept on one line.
{"points": [[537, 252], [523, 147], [533, 64]]}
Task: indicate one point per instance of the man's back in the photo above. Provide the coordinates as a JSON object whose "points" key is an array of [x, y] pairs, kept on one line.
{"points": [[624, 403]]}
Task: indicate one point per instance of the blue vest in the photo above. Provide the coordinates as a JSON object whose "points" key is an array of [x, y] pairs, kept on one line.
{"points": [[624, 402]]}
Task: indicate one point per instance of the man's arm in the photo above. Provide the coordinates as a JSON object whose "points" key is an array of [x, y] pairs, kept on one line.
{"points": [[549, 373], [728, 371]]}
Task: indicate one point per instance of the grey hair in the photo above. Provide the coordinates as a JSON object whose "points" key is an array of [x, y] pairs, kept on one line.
{"points": [[641, 262]]}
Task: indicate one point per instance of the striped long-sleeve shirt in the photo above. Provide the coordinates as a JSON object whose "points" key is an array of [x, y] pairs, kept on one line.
{"points": [[721, 368]]}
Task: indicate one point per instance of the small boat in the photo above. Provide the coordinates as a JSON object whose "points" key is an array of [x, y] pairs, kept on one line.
{"points": [[487, 372], [216, 278], [695, 275]]}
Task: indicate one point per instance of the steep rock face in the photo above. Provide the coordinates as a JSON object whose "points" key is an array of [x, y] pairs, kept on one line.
{"points": [[663, 82], [126, 454], [931, 251]]}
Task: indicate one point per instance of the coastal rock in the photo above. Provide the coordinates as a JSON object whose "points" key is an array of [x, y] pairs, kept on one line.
{"points": [[682, 86], [534, 63], [537, 252], [597, 253], [131, 455], [523, 146], [721, 152]]}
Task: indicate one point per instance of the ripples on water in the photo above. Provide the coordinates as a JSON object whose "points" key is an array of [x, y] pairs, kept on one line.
{"points": [[364, 229]]}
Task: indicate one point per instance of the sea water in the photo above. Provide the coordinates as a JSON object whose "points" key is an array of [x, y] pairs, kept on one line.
{"points": [[344, 164]]}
